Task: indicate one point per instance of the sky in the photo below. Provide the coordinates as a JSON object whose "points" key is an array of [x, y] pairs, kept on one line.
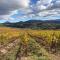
{"points": [[23, 10]]}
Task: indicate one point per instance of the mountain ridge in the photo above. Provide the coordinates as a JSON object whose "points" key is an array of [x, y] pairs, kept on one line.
{"points": [[35, 24]]}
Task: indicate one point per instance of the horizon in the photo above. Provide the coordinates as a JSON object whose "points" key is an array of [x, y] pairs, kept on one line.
{"points": [[24, 10], [28, 20]]}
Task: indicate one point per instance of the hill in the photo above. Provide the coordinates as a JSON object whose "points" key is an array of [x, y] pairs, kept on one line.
{"points": [[35, 24]]}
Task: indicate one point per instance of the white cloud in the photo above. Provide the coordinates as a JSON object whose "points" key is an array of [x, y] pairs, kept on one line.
{"points": [[24, 3], [9, 7], [43, 8]]}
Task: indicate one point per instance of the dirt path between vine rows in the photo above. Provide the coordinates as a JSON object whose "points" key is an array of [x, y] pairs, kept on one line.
{"points": [[9, 46], [54, 57], [5, 49]]}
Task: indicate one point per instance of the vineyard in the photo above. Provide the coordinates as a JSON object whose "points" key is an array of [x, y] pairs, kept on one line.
{"points": [[28, 44]]}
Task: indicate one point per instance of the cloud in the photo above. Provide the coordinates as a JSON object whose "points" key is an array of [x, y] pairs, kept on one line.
{"points": [[8, 7], [45, 8], [23, 8], [56, 4]]}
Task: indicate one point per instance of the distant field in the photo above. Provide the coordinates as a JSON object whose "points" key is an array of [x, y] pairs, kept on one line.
{"points": [[28, 44]]}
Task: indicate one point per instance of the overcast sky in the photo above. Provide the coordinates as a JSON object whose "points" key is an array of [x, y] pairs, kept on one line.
{"points": [[22, 10]]}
